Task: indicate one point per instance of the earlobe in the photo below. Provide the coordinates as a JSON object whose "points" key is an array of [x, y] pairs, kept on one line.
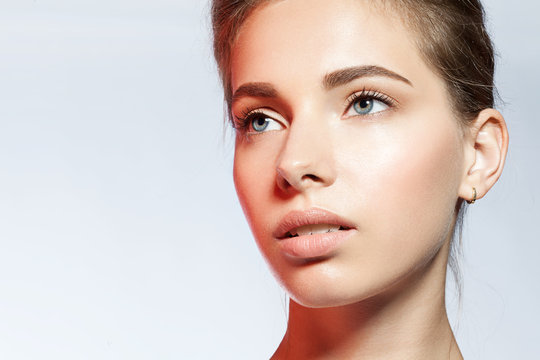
{"points": [[485, 148]]}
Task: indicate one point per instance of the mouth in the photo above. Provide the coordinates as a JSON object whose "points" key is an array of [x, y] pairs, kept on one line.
{"points": [[312, 234], [313, 221], [312, 229]]}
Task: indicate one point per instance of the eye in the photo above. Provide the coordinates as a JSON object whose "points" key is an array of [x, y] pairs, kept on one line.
{"points": [[367, 103], [262, 123], [257, 121]]}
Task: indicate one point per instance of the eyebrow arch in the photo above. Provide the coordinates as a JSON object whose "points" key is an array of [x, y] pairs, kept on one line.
{"points": [[255, 89], [344, 76]]}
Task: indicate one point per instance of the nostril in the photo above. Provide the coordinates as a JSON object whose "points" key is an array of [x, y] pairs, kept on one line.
{"points": [[298, 177], [311, 177], [283, 183]]}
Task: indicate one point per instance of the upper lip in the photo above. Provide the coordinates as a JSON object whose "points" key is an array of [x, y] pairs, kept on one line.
{"points": [[297, 218]]}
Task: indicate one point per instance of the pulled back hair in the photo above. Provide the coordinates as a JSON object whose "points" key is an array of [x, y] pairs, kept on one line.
{"points": [[451, 37]]}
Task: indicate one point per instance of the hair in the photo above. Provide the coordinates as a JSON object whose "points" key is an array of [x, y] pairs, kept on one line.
{"points": [[451, 37]]}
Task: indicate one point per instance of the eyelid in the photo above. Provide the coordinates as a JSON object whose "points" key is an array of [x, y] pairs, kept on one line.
{"points": [[243, 122], [367, 93], [364, 93]]}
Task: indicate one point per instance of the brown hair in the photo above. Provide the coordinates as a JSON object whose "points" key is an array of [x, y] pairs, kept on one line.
{"points": [[451, 37]]}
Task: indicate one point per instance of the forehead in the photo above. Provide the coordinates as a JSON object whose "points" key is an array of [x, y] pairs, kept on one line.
{"points": [[301, 40]]}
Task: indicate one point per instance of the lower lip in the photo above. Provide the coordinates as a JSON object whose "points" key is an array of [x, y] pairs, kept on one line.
{"points": [[312, 246]]}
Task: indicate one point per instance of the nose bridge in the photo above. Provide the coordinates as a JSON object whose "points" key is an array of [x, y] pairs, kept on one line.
{"points": [[306, 158]]}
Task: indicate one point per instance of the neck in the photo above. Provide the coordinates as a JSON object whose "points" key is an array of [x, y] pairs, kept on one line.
{"points": [[408, 321]]}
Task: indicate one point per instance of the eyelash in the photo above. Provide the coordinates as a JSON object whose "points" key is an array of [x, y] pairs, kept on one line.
{"points": [[242, 123], [369, 94]]}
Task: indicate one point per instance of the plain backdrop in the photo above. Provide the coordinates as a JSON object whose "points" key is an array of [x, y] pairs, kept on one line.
{"points": [[120, 233]]}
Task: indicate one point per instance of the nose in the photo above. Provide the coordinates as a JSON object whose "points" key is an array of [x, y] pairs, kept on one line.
{"points": [[306, 160]]}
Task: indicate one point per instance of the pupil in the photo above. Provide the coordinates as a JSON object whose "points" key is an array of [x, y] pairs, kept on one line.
{"points": [[364, 104]]}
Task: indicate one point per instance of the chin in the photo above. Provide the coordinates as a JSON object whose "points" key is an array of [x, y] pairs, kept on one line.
{"points": [[322, 289], [326, 297], [317, 301]]}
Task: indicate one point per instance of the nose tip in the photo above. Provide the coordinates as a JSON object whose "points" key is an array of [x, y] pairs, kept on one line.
{"points": [[306, 157], [288, 180], [299, 171]]}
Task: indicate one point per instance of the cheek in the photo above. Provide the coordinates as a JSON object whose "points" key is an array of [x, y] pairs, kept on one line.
{"points": [[425, 184], [420, 172], [409, 191], [254, 179], [424, 174]]}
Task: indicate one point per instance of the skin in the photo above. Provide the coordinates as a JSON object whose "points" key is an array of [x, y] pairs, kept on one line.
{"points": [[397, 173]]}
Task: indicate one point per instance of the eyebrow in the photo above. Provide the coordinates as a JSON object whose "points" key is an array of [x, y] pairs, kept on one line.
{"points": [[255, 89], [345, 76], [330, 81]]}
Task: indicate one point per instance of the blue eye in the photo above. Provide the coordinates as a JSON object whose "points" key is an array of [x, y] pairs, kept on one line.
{"points": [[260, 123], [363, 106], [368, 103]]}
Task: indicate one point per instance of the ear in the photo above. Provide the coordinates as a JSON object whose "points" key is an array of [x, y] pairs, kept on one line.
{"points": [[485, 147]]}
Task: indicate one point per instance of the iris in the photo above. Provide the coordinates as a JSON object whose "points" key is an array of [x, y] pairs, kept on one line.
{"points": [[259, 124], [363, 106]]}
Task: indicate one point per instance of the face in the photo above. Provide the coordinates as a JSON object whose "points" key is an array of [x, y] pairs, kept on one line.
{"points": [[348, 156]]}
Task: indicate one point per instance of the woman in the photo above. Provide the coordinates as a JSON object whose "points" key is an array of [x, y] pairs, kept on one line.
{"points": [[362, 127]]}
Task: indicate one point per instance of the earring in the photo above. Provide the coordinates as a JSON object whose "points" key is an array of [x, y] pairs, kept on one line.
{"points": [[474, 196]]}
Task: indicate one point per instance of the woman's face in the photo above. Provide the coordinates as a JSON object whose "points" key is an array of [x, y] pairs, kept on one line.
{"points": [[348, 157]]}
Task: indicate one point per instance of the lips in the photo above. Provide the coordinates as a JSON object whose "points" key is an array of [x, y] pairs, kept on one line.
{"points": [[309, 222], [314, 229], [312, 234]]}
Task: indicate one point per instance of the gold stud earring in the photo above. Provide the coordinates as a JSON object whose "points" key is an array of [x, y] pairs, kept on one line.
{"points": [[474, 196]]}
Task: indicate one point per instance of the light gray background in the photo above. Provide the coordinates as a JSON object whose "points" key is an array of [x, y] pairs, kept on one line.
{"points": [[120, 233]]}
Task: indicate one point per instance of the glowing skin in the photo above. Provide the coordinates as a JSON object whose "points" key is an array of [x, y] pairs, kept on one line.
{"points": [[393, 163]]}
